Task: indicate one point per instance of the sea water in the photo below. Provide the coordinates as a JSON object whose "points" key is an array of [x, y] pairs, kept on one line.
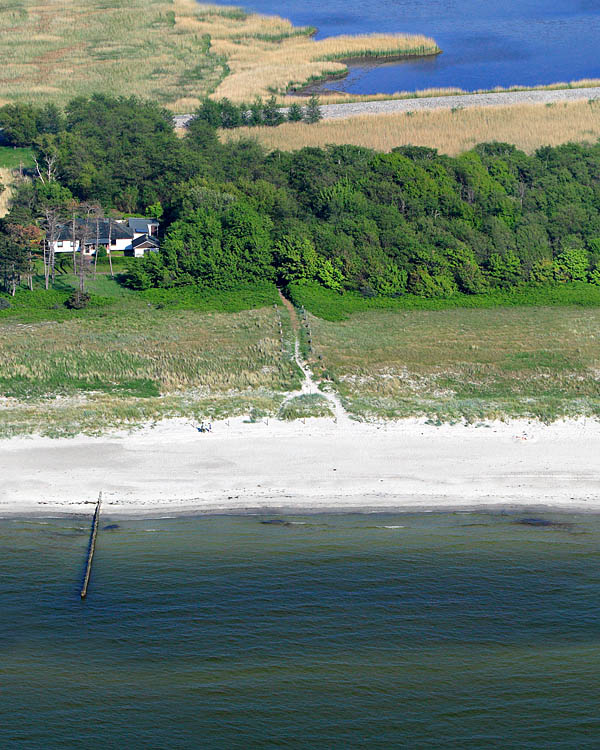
{"points": [[485, 43], [430, 630]]}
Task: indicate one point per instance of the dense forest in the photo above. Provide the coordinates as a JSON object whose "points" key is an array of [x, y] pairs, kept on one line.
{"points": [[409, 221]]}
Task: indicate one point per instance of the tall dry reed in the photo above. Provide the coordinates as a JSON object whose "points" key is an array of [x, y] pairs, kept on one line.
{"points": [[528, 126]]}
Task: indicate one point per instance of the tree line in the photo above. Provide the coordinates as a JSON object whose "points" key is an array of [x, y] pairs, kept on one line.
{"points": [[225, 114], [410, 221]]}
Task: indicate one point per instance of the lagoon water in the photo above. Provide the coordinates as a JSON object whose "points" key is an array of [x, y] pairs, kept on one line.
{"points": [[485, 43], [430, 630]]}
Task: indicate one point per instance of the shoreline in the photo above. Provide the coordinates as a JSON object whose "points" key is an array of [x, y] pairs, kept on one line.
{"points": [[319, 466]]}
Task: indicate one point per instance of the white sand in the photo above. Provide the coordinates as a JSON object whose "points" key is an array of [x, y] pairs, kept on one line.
{"points": [[319, 465]]}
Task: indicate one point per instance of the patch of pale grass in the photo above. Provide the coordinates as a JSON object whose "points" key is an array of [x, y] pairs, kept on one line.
{"points": [[173, 51], [528, 126], [6, 180], [460, 363]]}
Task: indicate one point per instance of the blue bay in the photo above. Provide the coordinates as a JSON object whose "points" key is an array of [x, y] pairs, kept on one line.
{"points": [[485, 44], [430, 630]]}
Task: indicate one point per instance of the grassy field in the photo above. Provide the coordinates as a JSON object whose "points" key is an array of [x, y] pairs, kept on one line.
{"points": [[172, 51], [538, 362], [450, 131], [13, 158], [133, 358], [128, 361]]}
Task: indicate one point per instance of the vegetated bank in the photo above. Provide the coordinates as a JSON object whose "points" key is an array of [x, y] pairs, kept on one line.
{"points": [[174, 52], [344, 228]]}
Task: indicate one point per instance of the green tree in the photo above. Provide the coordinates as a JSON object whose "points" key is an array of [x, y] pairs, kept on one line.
{"points": [[272, 116], [571, 265], [296, 259], [312, 112], [295, 113]]}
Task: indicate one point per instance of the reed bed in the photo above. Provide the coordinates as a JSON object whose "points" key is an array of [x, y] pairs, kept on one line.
{"points": [[262, 68], [173, 51], [528, 126], [463, 364]]}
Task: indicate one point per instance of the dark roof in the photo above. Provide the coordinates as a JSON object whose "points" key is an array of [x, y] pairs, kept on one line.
{"points": [[145, 239], [141, 224], [118, 231]]}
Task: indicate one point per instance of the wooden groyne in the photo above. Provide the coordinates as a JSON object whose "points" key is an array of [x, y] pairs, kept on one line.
{"points": [[91, 548]]}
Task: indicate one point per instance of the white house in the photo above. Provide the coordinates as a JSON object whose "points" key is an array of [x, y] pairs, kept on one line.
{"points": [[114, 234]]}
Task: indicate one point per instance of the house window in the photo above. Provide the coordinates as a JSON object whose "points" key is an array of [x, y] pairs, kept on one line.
{"points": [[59, 243], [113, 241]]}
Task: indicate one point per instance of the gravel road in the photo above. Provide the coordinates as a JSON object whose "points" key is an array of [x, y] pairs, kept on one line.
{"points": [[388, 106], [331, 111]]}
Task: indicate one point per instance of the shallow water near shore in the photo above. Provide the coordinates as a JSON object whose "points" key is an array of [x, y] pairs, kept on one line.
{"points": [[485, 44], [441, 630]]}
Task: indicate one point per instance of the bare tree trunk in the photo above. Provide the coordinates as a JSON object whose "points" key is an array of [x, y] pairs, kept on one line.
{"points": [[46, 264], [81, 273], [30, 270], [97, 244], [109, 251], [85, 236], [73, 243]]}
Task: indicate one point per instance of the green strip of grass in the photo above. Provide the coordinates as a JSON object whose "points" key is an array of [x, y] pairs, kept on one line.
{"points": [[330, 305], [231, 300], [11, 158], [23, 388], [107, 293]]}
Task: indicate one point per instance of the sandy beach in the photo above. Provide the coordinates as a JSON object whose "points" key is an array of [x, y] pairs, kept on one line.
{"points": [[300, 466]]}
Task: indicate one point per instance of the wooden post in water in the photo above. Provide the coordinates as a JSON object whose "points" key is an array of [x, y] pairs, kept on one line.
{"points": [[92, 547]]}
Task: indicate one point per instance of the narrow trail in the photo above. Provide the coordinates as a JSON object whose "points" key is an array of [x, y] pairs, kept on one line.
{"points": [[309, 384]]}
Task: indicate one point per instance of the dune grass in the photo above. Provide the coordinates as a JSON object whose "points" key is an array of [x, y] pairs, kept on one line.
{"points": [[528, 126], [129, 361], [304, 406], [468, 364]]}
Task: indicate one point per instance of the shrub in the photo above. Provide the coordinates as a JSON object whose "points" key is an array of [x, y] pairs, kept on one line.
{"points": [[78, 300]]}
